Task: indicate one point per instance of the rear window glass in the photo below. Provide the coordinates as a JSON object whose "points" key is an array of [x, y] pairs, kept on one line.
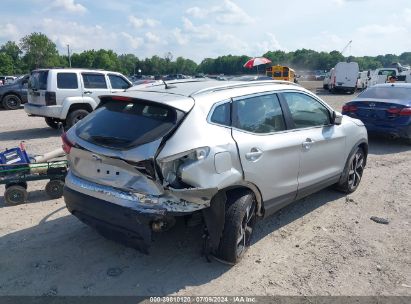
{"points": [[38, 80], [121, 125], [67, 81], [389, 92], [94, 81]]}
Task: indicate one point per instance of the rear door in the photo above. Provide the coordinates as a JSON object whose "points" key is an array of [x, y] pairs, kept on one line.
{"points": [[321, 143], [94, 85], [269, 154], [37, 87]]}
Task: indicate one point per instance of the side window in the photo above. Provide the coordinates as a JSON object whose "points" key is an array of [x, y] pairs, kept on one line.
{"points": [[94, 81], [67, 81], [221, 114], [118, 82], [260, 114], [306, 111]]}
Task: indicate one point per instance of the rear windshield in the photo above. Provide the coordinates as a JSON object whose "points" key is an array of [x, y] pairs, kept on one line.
{"points": [[121, 125], [387, 93], [38, 80]]}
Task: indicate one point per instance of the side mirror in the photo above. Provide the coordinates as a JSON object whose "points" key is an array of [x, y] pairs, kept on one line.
{"points": [[337, 118]]}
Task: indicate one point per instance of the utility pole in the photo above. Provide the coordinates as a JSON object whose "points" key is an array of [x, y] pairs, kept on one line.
{"points": [[68, 54]]}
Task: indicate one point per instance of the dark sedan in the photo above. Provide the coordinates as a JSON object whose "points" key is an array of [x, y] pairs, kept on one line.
{"points": [[14, 94], [384, 109]]}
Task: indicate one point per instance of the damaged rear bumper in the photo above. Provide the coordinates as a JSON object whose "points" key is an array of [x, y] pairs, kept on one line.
{"points": [[115, 222], [125, 216]]}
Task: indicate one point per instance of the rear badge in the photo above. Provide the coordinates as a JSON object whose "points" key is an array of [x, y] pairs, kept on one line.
{"points": [[372, 104]]}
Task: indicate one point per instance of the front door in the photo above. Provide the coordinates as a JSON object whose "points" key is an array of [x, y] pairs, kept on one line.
{"points": [[118, 83], [269, 154], [322, 143]]}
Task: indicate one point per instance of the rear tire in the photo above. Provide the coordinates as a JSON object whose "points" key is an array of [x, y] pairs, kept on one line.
{"points": [[353, 171], [52, 122], [240, 218], [15, 195], [75, 116], [11, 102]]}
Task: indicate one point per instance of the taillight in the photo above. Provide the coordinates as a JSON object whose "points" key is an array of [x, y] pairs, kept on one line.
{"points": [[405, 112], [50, 98], [393, 110], [349, 108], [398, 111], [67, 145]]}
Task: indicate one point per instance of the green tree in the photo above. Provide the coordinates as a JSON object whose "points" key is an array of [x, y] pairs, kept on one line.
{"points": [[39, 51], [405, 58], [128, 64], [6, 64], [106, 59], [11, 49]]}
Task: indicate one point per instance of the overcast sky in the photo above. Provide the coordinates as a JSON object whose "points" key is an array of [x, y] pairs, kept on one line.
{"points": [[198, 29]]}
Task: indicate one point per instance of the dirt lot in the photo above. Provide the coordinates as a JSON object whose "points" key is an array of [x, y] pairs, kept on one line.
{"points": [[325, 244]]}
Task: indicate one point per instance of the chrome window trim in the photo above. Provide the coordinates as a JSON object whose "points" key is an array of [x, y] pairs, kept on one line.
{"points": [[210, 113]]}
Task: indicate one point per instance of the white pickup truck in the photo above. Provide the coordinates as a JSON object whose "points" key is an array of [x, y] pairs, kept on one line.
{"points": [[381, 75]]}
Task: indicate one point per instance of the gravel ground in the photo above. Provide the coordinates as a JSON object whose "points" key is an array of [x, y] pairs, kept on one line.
{"points": [[325, 244]]}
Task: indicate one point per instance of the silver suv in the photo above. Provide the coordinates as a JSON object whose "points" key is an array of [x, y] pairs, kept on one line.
{"points": [[224, 153], [68, 95]]}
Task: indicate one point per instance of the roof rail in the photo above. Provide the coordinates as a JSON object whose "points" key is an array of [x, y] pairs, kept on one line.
{"points": [[242, 85]]}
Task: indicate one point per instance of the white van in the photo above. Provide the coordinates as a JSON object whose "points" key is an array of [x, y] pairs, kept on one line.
{"points": [[362, 81], [344, 77], [68, 95]]}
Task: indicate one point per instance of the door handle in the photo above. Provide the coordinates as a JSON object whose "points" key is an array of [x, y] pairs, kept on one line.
{"points": [[254, 154], [88, 92], [307, 143]]}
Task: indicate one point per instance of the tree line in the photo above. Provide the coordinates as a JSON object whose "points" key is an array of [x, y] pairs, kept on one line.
{"points": [[36, 50]]}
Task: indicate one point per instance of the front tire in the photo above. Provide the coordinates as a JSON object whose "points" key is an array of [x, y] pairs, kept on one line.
{"points": [[11, 102], [238, 227], [353, 171]]}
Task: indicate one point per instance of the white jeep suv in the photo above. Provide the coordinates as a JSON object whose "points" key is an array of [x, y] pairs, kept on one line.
{"points": [[68, 95]]}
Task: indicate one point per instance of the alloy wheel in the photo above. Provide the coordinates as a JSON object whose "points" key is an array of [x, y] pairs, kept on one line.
{"points": [[246, 229], [356, 170]]}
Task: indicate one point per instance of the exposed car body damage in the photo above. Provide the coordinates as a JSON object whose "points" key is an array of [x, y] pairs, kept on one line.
{"points": [[224, 155]]}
